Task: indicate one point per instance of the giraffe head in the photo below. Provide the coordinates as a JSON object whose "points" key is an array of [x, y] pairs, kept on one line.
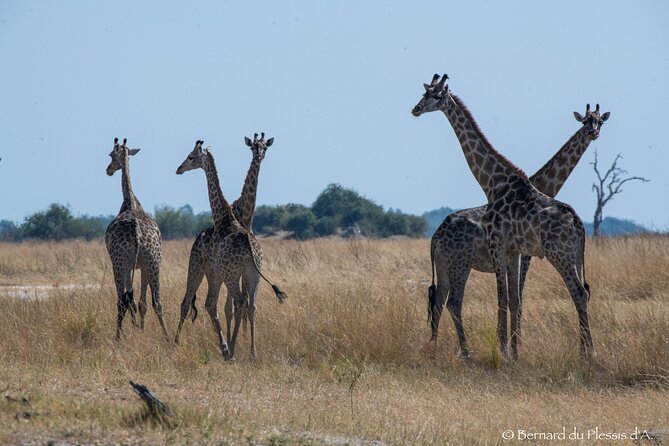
{"points": [[194, 160], [118, 156], [592, 120], [258, 146], [433, 99]]}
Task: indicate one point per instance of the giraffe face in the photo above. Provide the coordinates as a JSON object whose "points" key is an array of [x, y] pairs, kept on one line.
{"points": [[592, 120], [118, 155], [258, 146], [434, 96], [194, 160]]}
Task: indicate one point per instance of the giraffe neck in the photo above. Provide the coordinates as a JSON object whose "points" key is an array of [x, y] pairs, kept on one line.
{"points": [[130, 202], [245, 205], [552, 176], [220, 208], [490, 168]]}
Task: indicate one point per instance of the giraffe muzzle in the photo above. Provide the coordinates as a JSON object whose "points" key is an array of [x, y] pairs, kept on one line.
{"points": [[417, 110]]}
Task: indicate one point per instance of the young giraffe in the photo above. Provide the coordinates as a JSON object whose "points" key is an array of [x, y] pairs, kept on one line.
{"points": [[243, 208], [229, 251], [133, 242], [459, 244], [518, 219]]}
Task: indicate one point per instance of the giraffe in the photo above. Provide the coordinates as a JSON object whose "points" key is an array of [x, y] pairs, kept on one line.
{"points": [[228, 252], [133, 242], [518, 220], [243, 209], [459, 244]]}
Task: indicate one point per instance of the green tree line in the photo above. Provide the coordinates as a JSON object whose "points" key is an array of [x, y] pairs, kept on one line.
{"points": [[336, 211]]}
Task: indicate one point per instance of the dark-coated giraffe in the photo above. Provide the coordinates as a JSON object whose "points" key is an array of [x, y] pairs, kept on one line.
{"points": [[133, 242], [459, 244], [229, 252], [518, 220]]}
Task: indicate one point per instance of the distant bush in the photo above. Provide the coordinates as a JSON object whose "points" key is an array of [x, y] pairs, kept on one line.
{"points": [[181, 223], [57, 223], [335, 210]]}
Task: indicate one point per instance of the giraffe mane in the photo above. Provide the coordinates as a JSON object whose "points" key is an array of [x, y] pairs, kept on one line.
{"points": [[216, 179], [504, 160]]}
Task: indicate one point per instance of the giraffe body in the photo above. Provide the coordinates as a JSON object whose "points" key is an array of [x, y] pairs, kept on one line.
{"points": [[459, 244], [518, 219], [133, 242], [224, 253]]}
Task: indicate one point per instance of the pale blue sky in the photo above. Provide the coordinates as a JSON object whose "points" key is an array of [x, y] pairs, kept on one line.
{"points": [[334, 83]]}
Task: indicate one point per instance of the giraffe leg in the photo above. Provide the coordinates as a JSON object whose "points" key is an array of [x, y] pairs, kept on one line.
{"points": [[124, 302], [142, 299], [498, 255], [228, 314], [250, 283], [238, 301], [513, 272], [155, 300], [195, 276], [436, 304], [580, 296], [211, 305], [454, 305], [245, 310], [524, 267]]}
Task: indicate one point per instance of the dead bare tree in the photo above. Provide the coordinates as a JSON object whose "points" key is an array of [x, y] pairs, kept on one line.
{"points": [[608, 186]]}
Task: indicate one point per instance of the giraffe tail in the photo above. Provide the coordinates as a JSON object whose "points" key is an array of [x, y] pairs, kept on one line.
{"points": [[432, 290], [280, 295], [583, 238]]}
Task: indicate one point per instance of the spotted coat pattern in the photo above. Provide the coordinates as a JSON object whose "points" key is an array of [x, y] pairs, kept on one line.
{"points": [[224, 254], [133, 242], [459, 244], [518, 219]]}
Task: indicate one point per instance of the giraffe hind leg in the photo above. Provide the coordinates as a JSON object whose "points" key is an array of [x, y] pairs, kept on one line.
{"points": [[195, 277], [142, 299], [580, 296], [454, 305], [154, 283]]}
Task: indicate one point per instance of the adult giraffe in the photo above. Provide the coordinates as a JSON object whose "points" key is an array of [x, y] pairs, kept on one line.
{"points": [[518, 220], [459, 244], [133, 242]]}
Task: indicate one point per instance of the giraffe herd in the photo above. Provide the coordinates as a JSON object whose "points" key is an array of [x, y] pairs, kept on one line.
{"points": [[521, 220]]}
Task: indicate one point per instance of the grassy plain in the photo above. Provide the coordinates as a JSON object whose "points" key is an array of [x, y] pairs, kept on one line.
{"points": [[345, 360]]}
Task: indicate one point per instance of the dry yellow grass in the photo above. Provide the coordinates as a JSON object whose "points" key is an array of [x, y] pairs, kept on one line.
{"points": [[344, 361]]}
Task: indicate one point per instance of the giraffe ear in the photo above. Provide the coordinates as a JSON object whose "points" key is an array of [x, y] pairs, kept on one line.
{"points": [[247, 141], [132, 152], [578, 116], [605, 116], [269, 142], [426, 86]]}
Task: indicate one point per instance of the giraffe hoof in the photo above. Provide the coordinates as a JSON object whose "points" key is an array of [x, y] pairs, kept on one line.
{"points": [[226, 355]]}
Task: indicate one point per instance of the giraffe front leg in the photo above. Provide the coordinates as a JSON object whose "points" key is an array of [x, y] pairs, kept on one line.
{"points": [[238, 312], [211, 306], [228, 315], [498, 255], [513, 275]]}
